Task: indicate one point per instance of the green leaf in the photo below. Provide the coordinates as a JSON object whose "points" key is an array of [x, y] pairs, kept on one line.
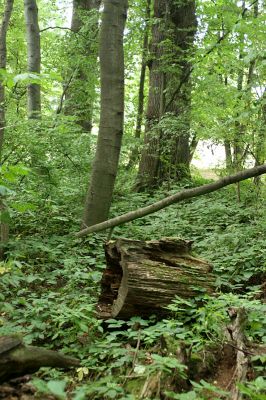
{"points": [[4, 191], [57, 388]]}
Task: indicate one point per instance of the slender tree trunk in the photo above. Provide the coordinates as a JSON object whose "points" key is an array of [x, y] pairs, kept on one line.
{"points": [[4, 228], [34, 57], [240, 129], [80, 93], [192, 147], [134, 154], [228, 155], [260, 149], [106, 160]]}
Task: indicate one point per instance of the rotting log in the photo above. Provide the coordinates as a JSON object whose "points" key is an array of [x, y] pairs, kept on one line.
{"points": [[142, 278], [17, 359], [236, 328]]}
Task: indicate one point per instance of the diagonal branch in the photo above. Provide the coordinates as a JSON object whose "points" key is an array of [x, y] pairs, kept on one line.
{"points": [[56, 27], [180, 196]]}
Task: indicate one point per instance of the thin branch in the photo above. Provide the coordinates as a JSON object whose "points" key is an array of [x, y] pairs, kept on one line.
{"points": [[57, 27], [242, 350], [66, 87], [4, 159], [180, 196]]}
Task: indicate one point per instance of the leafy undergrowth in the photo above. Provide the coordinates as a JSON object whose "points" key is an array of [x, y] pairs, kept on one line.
{"points": [[50, 282]]}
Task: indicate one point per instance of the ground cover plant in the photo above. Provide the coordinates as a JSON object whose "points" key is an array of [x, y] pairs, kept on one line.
{"points": [[107, 107], [49, 286]]}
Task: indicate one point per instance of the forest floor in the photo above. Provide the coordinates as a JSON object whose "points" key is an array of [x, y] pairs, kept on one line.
{"points": [[50, 284], [208, 174]]}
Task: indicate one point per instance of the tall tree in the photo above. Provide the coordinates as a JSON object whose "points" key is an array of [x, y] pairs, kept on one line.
{"points": [[148, 168], [104, 170], [82, 49], [34, 56], [176, 155], [4, 228], [166, 152], [143, 68]]}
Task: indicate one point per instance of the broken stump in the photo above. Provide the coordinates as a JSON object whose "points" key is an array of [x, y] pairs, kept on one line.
{"points": [[142, 278]]}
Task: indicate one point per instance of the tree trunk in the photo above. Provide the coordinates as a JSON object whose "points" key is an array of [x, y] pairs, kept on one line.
{"points": [[149, 162], [34, 57], [142, 278], [3, 33], [175, 164], [166, 153], [260, 148], [4, 227], [228, 155], [238, 144], [105, 164], [83, 49], [135, 152]]}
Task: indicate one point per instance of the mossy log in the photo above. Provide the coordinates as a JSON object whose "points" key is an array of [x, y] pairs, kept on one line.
{"points": [[142, 278], [17, 359]]}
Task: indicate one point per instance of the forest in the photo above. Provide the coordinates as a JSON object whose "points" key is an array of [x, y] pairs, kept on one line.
{"points": [[132, 199]]}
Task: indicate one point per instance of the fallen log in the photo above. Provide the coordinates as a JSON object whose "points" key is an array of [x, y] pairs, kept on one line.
{"points": [[175, 198], [142, 278], [17, 359]]}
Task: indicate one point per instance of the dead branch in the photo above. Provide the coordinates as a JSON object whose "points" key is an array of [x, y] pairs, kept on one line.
{"points": [[180, 196]]}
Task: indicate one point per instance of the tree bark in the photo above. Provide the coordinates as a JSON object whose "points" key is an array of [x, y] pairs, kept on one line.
{"points": [[236, 328], [3, 33], [34, 56], [167, 201], [135, 152], [228, 155], [149, 162], [104, 170], [261, 141], [166, 152], [17, 360], [80, 92], [4, 227], [175, 163], [142, 278]]}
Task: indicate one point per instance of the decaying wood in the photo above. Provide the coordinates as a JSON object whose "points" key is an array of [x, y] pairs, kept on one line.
{"points": [[142, 278], [17, 359], [236, 330]]}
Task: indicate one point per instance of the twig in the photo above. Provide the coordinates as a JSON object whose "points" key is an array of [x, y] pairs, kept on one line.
{"points": [[238, 348], [137, 349], [56, 27], [66, 87]]}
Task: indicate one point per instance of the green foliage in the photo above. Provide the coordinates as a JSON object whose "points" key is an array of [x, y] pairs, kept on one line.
{"points": [[202, 391], [49, 281], [254, 390], [56, 388]]}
